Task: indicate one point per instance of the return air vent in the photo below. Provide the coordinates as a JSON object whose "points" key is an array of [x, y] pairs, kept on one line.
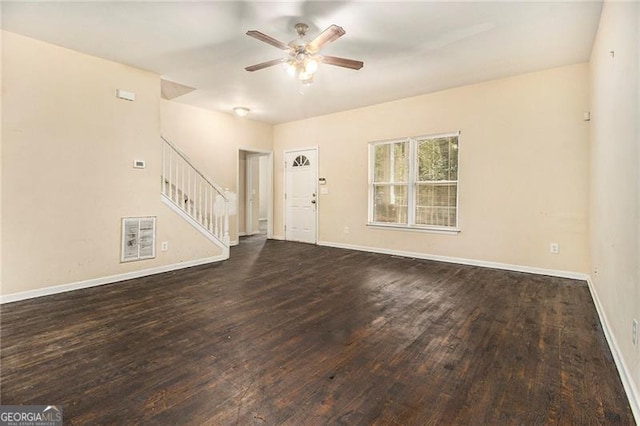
{"points": [[138, 238]]}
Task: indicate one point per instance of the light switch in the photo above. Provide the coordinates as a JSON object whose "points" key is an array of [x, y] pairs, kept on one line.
{"points": [[324, 190]]}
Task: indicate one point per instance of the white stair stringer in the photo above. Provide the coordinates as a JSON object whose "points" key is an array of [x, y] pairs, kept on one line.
{"points": [[223, 245]]}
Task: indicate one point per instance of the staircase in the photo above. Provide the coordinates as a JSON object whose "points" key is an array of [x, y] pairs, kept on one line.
{"points": [[195, 197]]}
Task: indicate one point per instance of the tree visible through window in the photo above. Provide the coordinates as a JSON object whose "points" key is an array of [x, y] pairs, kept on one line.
{"points": [[414, 182], [390, 182]]}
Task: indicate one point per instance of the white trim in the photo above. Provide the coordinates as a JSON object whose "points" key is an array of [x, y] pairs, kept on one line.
{"points": [[205, 232], [388, 141], [277, 237], [462, 261], [248, 196], [62, 288], [438, 135], [411, 183], [270, 183], [633, 395], [414, 228]]}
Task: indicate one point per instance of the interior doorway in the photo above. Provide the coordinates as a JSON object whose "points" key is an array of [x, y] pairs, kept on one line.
{"points": [[255, 189]]}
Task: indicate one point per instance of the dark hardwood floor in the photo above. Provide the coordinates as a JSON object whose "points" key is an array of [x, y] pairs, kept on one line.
{"points": [[287, 333]]}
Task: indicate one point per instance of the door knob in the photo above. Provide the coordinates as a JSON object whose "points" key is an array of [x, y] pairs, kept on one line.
{"points": [[313, 201]]}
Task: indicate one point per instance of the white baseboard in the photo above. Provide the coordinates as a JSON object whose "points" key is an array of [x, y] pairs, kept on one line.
{"points": [[625, 374], [47, 291], [462, 261], [277, 237]]}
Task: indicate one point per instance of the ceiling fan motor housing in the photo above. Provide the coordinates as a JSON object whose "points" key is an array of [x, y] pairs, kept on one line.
{"points": [[302, 29]]}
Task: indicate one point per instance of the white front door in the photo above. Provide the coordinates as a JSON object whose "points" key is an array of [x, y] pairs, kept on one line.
{"points": [[301, 175]]}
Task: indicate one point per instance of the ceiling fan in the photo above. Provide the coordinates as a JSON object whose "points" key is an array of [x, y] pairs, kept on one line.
{"points": [[302, 59]]}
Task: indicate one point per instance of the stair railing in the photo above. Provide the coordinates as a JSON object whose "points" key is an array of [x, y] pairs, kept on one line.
{"points": [[194, 194]]}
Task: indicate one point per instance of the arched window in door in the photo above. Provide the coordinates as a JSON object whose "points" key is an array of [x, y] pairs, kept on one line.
{"points": [[301, 160]]}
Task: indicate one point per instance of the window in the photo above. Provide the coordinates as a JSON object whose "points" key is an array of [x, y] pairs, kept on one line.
{"points": [[414, 182], [300, 161]]}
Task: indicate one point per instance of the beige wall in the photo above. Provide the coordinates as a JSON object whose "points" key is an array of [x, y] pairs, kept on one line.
{"points": [[524, 157], [615, 186], [68, 147], [212, 140]]}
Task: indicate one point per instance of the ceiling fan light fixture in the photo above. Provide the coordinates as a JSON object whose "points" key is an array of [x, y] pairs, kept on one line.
{"points": [[302, 61], [310, 66], [291, 68], [304, 76], [241, 111]]}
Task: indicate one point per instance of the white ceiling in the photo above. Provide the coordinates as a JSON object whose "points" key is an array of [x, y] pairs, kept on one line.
{"points": [[408, 48]]}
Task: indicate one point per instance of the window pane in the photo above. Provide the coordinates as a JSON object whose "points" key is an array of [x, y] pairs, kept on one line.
{"points": [[436, 204], [437, 159], [390, 204], [391, 162]]}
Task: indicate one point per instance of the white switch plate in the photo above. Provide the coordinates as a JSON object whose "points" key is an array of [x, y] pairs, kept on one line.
{"points": [[164, 246], [324, 190], [554, 248]]}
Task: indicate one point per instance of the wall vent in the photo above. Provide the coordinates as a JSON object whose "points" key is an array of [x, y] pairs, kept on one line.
{"points": [[138, 238]]}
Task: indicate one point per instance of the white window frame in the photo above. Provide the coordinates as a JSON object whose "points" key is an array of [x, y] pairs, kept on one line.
{"points": [[411, 188]]}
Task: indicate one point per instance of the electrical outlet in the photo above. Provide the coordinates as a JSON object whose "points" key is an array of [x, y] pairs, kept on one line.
{"points": [[554, 248], [346, 229], [634, 332], [164, 246]]}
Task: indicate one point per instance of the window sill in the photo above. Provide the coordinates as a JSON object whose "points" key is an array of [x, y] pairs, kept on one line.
{"points": [[427, 229]]}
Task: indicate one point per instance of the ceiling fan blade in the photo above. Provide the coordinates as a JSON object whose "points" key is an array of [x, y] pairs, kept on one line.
{"points": [[267, 39], [342, 62], [327, 36], [267, 64]]}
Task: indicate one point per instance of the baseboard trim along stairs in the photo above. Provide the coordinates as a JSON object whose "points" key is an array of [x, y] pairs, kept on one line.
{"points": [[197, 225]]}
